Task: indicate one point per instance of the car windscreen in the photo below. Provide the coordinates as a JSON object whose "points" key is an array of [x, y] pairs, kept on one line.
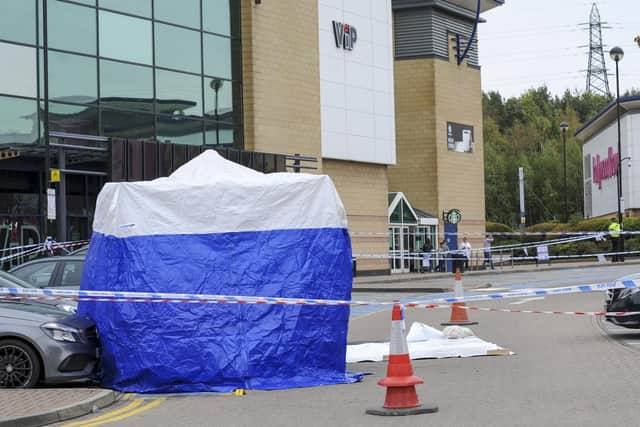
{"points": [[10, 281]]}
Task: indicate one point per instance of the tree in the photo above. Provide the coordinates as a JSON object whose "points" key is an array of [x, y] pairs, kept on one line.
{"points": [[524, 132]]}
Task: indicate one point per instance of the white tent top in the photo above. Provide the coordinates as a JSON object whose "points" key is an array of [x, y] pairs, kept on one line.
{"points": [[210, 194]]}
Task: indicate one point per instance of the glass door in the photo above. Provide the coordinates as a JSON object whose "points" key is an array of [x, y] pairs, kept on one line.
{"points": [[399, 249]]}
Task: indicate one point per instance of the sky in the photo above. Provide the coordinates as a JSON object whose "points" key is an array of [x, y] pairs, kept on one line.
{"points": [[528, 43]]}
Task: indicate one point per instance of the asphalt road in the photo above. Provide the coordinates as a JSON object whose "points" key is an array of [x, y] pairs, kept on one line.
{"points": [[567, 371]]}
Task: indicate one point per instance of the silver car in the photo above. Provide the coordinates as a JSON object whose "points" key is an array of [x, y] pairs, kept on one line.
{"points": [[40, 343], [10, 281]]}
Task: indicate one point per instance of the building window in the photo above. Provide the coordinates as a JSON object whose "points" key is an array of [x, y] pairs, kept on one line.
{"points": [[72, 78], [178, 48], [180, 130], [125, 38], [18, 121], [126, 124], [217, 56], [126, 86], [18, 21], [216, 16], [72, 27], [178, 93], [18, 71], [73, 118], [183, 12], [136, 7]]}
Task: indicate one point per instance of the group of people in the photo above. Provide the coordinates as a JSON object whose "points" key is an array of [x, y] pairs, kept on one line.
{"points": [[443, 254]]}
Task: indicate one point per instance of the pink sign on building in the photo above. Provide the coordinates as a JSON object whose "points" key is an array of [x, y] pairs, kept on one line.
{"points": [[606, 168]]}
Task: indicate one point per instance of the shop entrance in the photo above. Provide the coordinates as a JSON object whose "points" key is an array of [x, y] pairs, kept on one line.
{"points": [[400, 249]]}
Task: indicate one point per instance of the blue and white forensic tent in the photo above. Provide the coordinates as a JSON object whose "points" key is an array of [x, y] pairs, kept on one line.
{"points": [[215, 227]]}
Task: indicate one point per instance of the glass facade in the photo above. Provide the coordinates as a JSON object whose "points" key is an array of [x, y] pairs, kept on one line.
{"points": [[169, 67], [162, 70]]}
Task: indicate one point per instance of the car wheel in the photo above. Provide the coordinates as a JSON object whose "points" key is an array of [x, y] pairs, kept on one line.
{"points": [[19, 365]]}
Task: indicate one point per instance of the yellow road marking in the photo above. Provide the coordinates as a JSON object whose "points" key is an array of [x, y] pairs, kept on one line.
{"points": [[140, 410], [130, 406], [130, 410]]}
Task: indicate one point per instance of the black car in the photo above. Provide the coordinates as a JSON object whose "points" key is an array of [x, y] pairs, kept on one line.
{"points": [[624, 300], [40, 343], [52, 272]]}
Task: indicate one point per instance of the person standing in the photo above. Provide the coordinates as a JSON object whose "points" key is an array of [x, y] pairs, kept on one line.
{"points": [[466, 251], [488, 259], [614, 233], [443, 254], [426, 255]]}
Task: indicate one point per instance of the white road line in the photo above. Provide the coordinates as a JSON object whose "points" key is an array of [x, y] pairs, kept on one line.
{"points": [[522, 301]]}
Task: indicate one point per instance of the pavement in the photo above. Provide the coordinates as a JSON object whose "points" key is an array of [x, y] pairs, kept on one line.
{"points": [[43, 406]]}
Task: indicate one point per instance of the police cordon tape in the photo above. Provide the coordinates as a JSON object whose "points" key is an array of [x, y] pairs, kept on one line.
{"points": [[418, 256], [155, 297], [43, 247], [569, 313], [505, 233]]}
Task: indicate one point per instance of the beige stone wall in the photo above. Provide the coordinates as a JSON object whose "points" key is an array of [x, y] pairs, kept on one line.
{"points": [[363, 190], [460, 175], [282, 112], [416, 170], [430, 93], [281, 77]]}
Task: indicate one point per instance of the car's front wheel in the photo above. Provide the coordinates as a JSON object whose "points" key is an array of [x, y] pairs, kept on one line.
{"points": [[19, 364]]}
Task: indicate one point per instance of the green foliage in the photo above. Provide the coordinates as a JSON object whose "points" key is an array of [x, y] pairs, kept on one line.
{"points": [[494, 227], [525, 132]]}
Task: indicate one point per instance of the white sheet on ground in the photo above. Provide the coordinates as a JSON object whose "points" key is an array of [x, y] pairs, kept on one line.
{"points": [[424, 342]]}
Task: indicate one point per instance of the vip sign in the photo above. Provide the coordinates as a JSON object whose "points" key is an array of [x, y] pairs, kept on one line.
{"points": [[345, 35]]}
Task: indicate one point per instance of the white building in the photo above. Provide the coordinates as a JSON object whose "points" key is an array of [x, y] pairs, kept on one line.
{"points": [[600, 159]]}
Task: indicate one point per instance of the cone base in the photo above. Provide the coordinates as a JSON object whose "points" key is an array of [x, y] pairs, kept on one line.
{"points": [[460, 323], [422, 409]]}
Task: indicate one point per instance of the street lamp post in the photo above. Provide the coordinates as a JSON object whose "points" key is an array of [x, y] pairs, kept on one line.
{"points": [[564, 126], [617, 54]]}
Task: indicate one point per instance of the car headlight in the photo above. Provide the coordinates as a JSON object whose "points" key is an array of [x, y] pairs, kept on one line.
{"points": [[60, 332], [68, 308]]}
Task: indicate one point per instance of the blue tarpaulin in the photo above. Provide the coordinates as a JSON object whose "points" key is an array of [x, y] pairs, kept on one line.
{"points": [[214, 227]]}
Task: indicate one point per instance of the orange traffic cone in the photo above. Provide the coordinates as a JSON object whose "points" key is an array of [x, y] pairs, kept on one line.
{"points": [[401, 398], [458, 314]]}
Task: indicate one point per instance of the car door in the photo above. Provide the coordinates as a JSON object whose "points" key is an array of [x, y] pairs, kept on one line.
{"points": [[70, 274], [39, 274]]}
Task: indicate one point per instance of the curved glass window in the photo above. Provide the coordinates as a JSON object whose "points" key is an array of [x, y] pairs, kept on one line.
{"points": [[178, 48], [18, 21], [72, 78], [72, 27], [178, 94], [125, 86], [215, 16], [125, 38], [135, 7], [183, 12], [18, 121], [19, 70], [217, 56]]}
